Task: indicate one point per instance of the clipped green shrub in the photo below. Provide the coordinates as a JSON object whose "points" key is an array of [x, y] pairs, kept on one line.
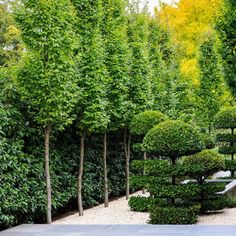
{"points": [[140, 204], [174, 191], [209, 141], [215, 204], [173, 139], [226, 137], [144, 121], [230, 165], [225, 118], [227, 150], [174, 215], [206, 162], [230, 202]]}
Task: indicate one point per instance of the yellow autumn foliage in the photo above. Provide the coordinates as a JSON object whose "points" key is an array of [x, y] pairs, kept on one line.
{"points": [[188, 21]]}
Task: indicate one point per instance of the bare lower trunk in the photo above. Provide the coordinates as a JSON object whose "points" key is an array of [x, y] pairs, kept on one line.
{"points": [[105, 171], [47, 172], [80, 175], [127, 158], [144, 172]]}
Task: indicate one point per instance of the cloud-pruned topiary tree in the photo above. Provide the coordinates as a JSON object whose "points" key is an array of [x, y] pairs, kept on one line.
{"points": [[205, 164], [142, 123], [226, 119], [171, 140]]}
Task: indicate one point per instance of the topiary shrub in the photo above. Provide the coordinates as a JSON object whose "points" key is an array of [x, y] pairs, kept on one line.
{"points": [[140, 126], [209, 141], [226, 119], [145, 121], [174, 215], [207, 163], [140, 204], [171, 140]]}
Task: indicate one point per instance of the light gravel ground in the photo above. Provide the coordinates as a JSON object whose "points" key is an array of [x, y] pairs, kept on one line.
{"points": [[118, 212], [224, 217]]}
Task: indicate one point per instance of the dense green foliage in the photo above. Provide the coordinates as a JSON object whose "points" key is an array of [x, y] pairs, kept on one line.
{"points": [[208, 163], [174, 215], [140, 204], [95, 71], [226, 119], [145, 121], [173, 139], [211, 89], [226, 27]]}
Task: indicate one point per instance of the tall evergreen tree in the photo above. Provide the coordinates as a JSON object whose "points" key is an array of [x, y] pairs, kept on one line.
{"points": [[47, 80], [92, 105], [140, 91], [212, 87], [226, 26], [117, 56]]}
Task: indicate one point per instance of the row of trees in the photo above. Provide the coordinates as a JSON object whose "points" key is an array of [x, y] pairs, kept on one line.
{"points": [[95, 64]]}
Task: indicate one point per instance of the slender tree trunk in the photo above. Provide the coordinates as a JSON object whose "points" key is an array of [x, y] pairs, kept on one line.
{"points": [[80, 175], [127, 158], [232, 155], [105, 170], [144, 172], [47, 171]]}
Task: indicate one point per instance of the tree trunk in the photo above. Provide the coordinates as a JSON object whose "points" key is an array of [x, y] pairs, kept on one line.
{"points": [[47, 172], [127, 158], [105, 170], [144, 172], [80, 175]]}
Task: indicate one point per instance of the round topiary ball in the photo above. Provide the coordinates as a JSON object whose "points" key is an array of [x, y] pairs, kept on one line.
{"points": [[173, 139], [225, 118], [144, 121], [208, 161]]}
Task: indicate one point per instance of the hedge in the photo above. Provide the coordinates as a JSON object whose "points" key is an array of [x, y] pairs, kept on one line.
{"points": [[174, 215]]}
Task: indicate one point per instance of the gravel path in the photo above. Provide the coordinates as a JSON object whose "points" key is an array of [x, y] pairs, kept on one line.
{"points": [[118, 212]]}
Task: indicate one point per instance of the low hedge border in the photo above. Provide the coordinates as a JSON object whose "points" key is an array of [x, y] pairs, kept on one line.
{"points": [[174, 215]]}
